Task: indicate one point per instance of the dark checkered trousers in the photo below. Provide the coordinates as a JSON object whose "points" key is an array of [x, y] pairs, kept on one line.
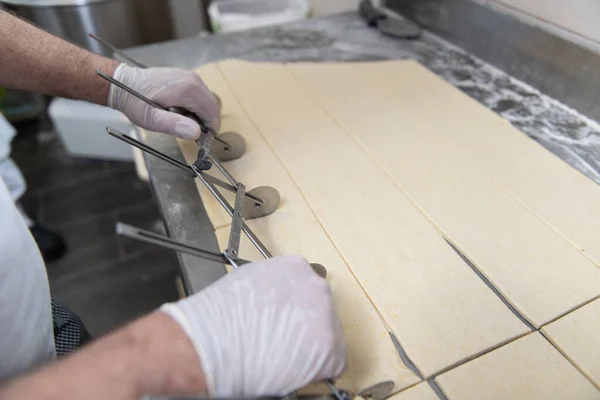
{"points": [[69, 331]]}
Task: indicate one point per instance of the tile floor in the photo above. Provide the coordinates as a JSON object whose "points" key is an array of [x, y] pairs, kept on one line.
{"points": [[104, 279]]}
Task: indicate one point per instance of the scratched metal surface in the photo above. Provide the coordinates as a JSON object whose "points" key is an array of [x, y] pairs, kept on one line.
{"points": [[344, 37]]}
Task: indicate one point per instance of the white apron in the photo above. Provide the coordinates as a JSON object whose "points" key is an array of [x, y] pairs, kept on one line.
{"points": [[26, 335]]}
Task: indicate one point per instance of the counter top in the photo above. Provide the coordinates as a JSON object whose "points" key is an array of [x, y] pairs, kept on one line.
{"points": [[345, 38]]}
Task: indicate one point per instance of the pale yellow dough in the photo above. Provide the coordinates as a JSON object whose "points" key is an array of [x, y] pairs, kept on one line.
{"points": [[422, 391], [293, 229], [376, 163], [578, 336], [540, 273], [529, 368], [437, 307], [372, 356], [558, 193]]}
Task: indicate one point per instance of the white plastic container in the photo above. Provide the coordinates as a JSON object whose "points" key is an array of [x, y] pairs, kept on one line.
{"points": [[236, 15], [82, 129]]}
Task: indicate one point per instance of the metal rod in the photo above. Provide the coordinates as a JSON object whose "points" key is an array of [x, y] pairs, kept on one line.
{"points": [[218, 182], [144, 147], [253, 238], [232, 189], [334, 390], [168, 243], [129, 90], [230, 260], [225, 173], [150, 150], [118, 52], [233, 247]]}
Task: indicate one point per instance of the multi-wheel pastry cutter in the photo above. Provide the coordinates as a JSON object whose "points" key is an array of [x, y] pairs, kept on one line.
{"points": [[256, 203]]}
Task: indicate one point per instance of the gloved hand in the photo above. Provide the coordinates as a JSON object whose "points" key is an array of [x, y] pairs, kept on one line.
{"points": [[169, 87], [268, 328]]}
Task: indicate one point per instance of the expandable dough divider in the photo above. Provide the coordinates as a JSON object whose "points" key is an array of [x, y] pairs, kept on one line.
{"points": [[227, 223]]}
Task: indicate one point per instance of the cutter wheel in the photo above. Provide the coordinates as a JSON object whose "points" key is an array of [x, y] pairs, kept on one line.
{"points": [[319, 269], [269, 197], [378, 391], [228, 146]]}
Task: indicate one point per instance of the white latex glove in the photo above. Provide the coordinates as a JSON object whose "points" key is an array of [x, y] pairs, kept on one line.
{"points": [[268, 328], [169, 87]]}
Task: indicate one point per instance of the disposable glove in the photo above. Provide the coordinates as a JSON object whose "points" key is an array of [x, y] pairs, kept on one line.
{"points": [[268, 328], [168, 87]]}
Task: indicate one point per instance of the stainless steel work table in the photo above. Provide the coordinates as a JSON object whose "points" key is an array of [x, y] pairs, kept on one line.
{"points": [[567, 72]]}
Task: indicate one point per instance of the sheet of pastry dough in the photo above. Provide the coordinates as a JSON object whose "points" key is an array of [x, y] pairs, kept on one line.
{"points": [[422, 391], [372, 355], [529, 368], [578, 336], [536, 269], [439, 309], [293, 229], [561, 195]]}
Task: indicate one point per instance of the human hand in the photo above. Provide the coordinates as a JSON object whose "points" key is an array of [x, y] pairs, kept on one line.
{"points": [[268, 328], [169, 87]]}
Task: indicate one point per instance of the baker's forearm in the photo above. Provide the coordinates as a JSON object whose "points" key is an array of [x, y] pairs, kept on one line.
{"points": [[150, 356], [34, 60]]}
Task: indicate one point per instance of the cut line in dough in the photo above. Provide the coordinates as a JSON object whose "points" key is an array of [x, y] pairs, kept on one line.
{"points": [[529, 368], [433, 302], [577, 335], [293, 229], [535, 268]]}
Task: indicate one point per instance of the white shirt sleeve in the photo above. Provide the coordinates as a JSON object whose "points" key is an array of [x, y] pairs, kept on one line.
{"points": [[26, 333]]}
